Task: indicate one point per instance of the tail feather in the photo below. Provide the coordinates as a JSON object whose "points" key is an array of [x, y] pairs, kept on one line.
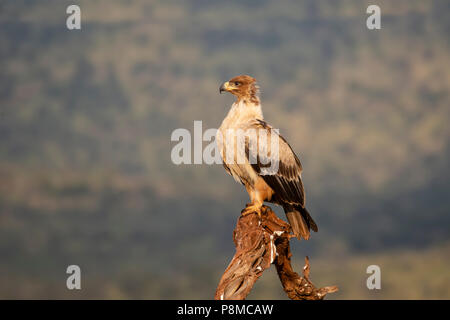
{"points": [[300, 221]]}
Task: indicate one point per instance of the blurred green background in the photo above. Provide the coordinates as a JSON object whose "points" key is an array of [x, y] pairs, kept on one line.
{"points": [[86, 118]]}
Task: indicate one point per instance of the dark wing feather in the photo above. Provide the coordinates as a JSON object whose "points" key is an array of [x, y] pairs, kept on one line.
{"points": [[226, 168], [286, 182]]}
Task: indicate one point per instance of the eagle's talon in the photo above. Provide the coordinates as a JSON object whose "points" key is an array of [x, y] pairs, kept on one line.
{"points": [[251, 208]]}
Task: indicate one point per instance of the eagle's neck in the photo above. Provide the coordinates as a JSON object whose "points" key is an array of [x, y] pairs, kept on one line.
{"points": [[242, 112]]}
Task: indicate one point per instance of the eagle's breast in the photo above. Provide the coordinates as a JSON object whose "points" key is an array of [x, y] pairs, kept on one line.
{"points": [[237, 120]]}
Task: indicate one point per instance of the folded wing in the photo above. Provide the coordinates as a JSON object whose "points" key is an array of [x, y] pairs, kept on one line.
{"points": [[262, 154]]}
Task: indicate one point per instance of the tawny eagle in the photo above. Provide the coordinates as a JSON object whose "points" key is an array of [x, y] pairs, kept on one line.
{"points": [[283, 186]]}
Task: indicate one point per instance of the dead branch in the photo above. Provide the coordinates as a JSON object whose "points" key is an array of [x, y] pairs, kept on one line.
{"points": [[259, 243]]}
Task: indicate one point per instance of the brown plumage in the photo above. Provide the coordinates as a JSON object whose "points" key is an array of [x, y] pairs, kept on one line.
{"points": [[243, 87], [284, 186]]}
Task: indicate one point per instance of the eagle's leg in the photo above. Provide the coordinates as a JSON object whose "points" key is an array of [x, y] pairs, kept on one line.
{"points": [[256, 200]]}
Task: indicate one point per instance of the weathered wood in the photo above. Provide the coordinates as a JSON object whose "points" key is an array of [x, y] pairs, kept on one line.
{"points": [[261, 241]]}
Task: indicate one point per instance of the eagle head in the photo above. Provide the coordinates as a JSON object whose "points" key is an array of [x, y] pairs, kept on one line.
{"points": [[243, 87]]}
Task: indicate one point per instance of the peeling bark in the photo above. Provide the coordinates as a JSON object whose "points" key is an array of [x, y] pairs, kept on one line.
{"points": [[260, 242]]}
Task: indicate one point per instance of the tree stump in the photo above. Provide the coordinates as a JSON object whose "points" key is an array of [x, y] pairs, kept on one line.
{"points": [[260, 242]]}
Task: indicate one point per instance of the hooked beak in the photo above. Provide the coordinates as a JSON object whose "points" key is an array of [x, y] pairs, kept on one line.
{"points": [[224, 87]]}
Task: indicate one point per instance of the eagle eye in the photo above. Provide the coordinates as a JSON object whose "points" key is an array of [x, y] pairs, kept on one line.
{"points": [[237, 83]]}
